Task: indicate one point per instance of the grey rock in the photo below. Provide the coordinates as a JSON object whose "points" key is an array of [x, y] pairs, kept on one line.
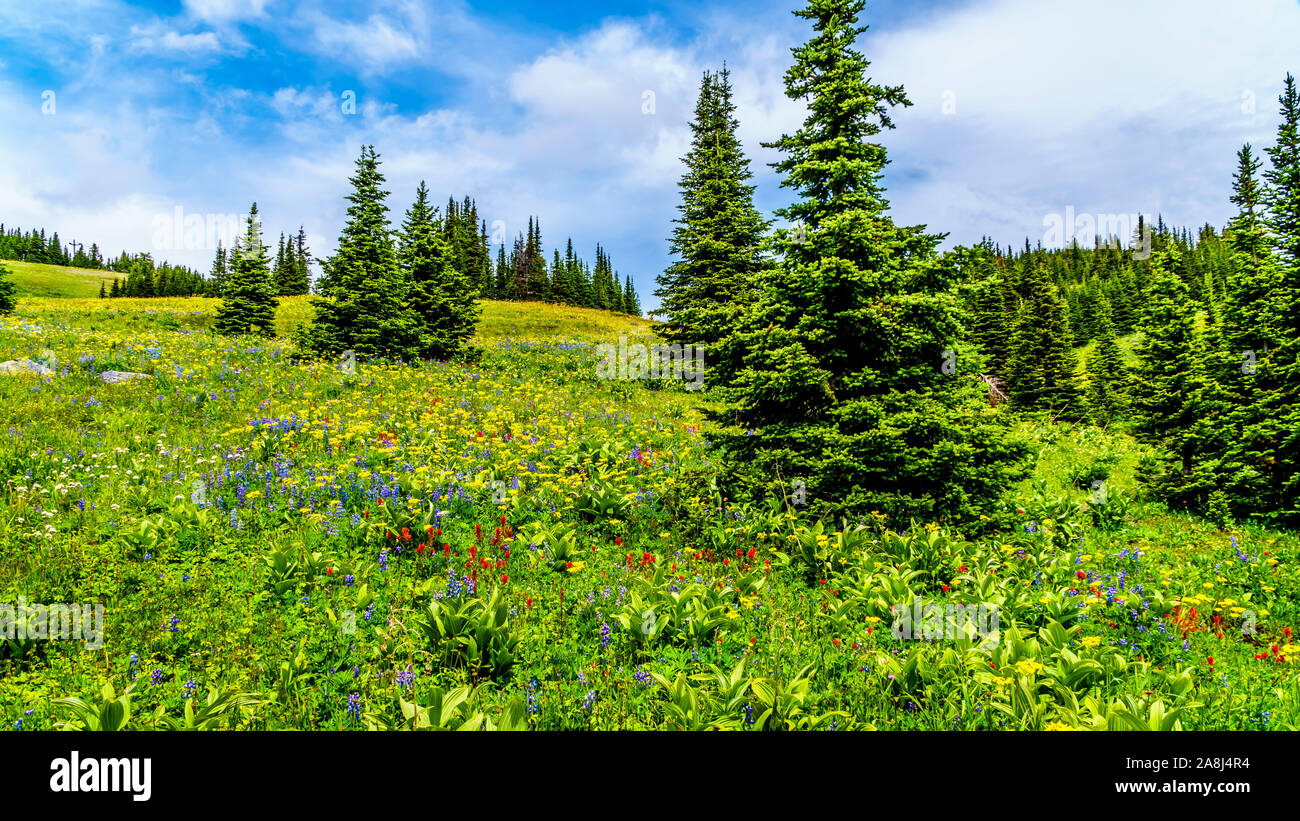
{"points": [[114, 377], [16, 366]]}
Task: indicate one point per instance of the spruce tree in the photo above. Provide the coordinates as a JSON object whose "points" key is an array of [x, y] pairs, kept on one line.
{"points": [[520, 266], [441, 298], [852, 377], [1165, 389], [248, 303], [631, 304], [1284, 177], [989, 328], [218, 275], [718, 237], [8, 301], [1108, 377], [1042, 371], [1280, 420], [362, 305], [300, 281], [280, 273], [499, 287]]}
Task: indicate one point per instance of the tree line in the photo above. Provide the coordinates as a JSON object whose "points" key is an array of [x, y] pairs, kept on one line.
{"points": [[142, 276], [523, 273], [410, 292]]}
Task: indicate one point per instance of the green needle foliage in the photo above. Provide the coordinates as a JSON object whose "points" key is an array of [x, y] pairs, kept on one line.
{"points": [[1042, 372], [1108, 377], [843, 383], [441, 298], [363, 293], [7, 300], [719, 235], [248, 300]]}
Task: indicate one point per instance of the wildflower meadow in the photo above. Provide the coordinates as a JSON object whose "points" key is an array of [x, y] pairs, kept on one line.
{"points": [[514, 542]]}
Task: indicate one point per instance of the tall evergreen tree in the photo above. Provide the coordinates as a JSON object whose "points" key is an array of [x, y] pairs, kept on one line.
{"points": [[362, 305], [300, 283], [1042, 369], [499, 286], [631, 304], [844, 382], [280, 273], [1108, 377], [1165, 388], [1284, 177], [718, 236], [990, 327], [1277, 423], [441, 298], [8, 301], [248, 303], [218, 275]]}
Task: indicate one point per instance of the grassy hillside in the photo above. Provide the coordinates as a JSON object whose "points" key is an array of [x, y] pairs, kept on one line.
{"points": [[499, 320], [58, 281], [75, 291]]}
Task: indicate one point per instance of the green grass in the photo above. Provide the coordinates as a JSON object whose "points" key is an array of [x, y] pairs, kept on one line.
{"points": [[96, 484], [75, 291], [57, 281]]}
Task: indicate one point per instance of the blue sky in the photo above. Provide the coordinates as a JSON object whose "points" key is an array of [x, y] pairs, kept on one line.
{"points": [[117, 114]]}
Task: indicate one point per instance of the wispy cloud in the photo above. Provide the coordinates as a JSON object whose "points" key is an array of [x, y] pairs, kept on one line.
{"points": [[159, 38]]}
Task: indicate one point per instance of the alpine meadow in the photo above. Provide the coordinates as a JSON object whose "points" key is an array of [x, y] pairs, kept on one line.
{"points": [[739, 442]]}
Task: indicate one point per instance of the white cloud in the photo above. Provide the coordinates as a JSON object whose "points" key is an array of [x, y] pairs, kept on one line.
{"points": [[157, 37], [225, 11], [1112, 108], [374, 43]]}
